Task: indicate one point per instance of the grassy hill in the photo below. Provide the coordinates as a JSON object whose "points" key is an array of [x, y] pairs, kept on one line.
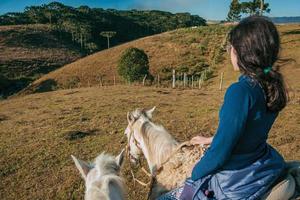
{"points": [[66, 33], [37, 131], [29, 51], [187, 50]]}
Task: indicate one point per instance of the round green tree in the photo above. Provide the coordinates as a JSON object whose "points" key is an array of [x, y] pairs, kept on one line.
{"points": [[133, 64], [234, 12]]}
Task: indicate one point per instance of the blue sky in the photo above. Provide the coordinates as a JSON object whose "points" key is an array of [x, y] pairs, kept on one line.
{"points": [[209, 9]]}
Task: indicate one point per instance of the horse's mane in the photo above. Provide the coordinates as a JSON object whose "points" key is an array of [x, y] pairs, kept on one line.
{"points": [[159, 141]]}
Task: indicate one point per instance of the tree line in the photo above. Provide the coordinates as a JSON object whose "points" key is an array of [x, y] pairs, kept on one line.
{"points": [[93, 28], [254, 7]]}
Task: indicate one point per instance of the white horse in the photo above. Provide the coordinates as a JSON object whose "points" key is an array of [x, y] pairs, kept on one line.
{"points": [[145, 137], [102, 178], [170, 166]]}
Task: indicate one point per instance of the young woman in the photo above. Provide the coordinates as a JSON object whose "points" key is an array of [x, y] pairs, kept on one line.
{"points": [[239, 163]]}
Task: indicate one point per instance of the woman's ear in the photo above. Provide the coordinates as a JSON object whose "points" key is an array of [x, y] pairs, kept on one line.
{"points": [[234, 60]]}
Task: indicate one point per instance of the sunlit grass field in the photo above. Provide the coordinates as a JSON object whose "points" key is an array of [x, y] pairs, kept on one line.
{"points": [[39, 132]]}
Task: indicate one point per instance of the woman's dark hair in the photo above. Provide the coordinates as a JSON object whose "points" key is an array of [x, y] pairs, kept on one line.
{"points": [[257, 44]]}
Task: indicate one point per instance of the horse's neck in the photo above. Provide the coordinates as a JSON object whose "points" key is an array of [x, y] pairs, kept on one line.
{"points": [[158, 147], [164, 152]]}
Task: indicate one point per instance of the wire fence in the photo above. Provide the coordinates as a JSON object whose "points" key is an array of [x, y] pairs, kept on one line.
{"points": [[177, 80]]}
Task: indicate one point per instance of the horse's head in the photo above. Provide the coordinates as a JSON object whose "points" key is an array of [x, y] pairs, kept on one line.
{"points": [[104, 164], [133, 131]]}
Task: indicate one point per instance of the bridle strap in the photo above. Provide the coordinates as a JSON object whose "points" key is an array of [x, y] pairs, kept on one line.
{"points": [[127, 148]]}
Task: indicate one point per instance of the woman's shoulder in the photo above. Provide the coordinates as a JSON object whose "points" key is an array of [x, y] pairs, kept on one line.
{"points": [[245, 89], [238, 89], [246, 85]]}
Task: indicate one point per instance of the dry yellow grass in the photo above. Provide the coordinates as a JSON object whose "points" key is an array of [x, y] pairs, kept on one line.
{"points": [[35, 145], [171, 49]]}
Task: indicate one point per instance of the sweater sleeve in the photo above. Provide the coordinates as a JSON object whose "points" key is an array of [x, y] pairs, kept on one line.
{"points": [[232, 121]]}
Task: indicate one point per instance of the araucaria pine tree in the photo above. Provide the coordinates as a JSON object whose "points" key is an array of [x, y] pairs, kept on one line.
{"points": [[234, 12]]}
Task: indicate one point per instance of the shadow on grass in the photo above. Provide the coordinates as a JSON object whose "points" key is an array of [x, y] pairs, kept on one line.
{"points": [[11, 86], [3, 117], [75, 134], [46, 86], [293, 32]]}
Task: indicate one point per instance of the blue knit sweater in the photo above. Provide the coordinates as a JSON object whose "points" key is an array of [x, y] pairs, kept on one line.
{"points": [[244, 124]]}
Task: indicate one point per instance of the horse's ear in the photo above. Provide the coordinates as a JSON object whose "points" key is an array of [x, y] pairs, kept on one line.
{"points": [[149, 112], [130, 117], [82, 166], [120, 157]]}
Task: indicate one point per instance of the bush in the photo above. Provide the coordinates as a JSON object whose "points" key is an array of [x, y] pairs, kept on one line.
{"points": [[133, 64], [198, 68], [91, 47], [71, 82], [206, 74], [166, 73]]}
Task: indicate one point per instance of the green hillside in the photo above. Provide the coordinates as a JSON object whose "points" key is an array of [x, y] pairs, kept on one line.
{"points": [[83, 24]]}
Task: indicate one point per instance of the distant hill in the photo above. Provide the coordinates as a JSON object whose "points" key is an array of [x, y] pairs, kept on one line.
{"points": [[30, 51], [49, 36], [285, 20], [84, 24]]}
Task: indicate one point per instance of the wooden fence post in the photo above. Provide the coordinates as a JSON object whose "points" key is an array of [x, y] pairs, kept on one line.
{"points": [[184, 80], [200, 81], [157, 80], [114, 80], [174, 78], [144, 79], [101, 82], [98, 79], [221, 81], [192, 81]]}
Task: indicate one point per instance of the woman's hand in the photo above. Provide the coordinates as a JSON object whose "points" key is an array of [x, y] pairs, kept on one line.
{"points": [[201, 140]]}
